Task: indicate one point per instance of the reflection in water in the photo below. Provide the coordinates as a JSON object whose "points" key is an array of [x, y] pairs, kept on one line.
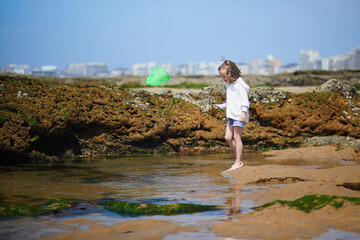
{"points": [[233, 204], [152, 179]]}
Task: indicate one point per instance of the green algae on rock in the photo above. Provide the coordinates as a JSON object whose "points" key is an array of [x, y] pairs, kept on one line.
{"points": [[59, 205], [309, 203], [52, 206], [139, 209]]}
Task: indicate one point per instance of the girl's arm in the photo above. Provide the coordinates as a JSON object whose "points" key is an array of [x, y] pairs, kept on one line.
{"points": [[245, 104], [221, 106], [242, 116]]}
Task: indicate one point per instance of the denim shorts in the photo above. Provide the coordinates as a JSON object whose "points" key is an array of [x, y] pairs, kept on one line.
{"points": [[236, 123]]}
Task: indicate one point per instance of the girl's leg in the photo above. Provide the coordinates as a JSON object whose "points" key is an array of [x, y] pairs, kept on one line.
{"points": [[229, 138], [233, 138], [238, 145]]}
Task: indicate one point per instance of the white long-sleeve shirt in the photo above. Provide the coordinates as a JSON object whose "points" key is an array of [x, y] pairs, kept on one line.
{"points": [[237, 100]]}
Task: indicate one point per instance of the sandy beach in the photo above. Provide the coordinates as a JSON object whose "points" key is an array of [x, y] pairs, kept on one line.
{"points": [[280, 222], [276, 222], [138, 229]]}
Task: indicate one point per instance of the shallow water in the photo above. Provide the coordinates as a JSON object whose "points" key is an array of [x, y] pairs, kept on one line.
{"points": [[156, 179], [153, 178]]}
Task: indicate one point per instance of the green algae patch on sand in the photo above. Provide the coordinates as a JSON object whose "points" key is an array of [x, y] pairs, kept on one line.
{"points": [[139, 209], [51, 207], [308, 203]]}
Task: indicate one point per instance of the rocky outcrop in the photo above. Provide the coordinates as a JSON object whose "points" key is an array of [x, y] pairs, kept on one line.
{"points": [[205, 104], [85, 120], [327, 140], [337, 86], [45, 122], [266, 95], [296, 119], [217, 90]]}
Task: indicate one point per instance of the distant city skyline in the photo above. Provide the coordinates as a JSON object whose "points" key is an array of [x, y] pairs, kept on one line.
{"points": [[122, 33], [308, 60]]}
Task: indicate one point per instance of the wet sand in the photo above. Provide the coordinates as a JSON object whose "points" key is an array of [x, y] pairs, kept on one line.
{"points": [[276, 222], [280, 222], [296, 90], [284, 223], [152, 229], [315, 153]]}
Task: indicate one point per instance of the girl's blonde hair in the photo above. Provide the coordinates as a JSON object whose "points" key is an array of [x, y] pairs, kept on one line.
{"points": [[232, 70]]}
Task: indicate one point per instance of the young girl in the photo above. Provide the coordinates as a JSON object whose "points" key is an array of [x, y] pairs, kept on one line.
{"points": [[237, 108]]}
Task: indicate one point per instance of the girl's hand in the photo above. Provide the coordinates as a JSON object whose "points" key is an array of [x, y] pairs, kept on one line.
{"points": [[216, 106], [242, 117]]}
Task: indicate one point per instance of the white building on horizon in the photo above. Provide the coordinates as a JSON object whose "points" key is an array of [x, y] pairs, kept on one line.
{"points": [[292, 67], [16, 68], [307, 59], [142, 69], [119, 72], [310, 60], [92, 69], [168, 67], [244, 68], [353, 60], [203, 69], [267, 66], [213, 67], [46, 70], [339, 61]]}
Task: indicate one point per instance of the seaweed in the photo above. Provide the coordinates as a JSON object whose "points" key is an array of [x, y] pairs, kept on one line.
{"points": [[53, 206], [308, 203], [132, 209], [138, 209]]}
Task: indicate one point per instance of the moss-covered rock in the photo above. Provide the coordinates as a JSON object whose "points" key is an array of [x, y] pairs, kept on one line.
{"points": [[51, 207], [48, 121], [60, 205], [137, 209], [310, 203], [88, 120]]}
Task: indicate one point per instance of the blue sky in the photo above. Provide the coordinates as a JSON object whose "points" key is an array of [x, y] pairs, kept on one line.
{"points": [[121, 33]]}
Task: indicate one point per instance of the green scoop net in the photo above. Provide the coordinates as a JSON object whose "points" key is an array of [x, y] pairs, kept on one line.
{"points": [[159, 76]]}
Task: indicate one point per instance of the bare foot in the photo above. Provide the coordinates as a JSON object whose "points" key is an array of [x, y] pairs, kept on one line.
{"points": [[236, 166]]}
